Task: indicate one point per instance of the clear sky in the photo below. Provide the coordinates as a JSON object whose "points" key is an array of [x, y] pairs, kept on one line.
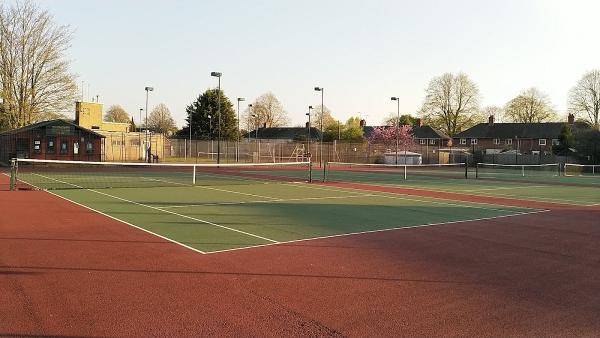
{"points": [[361, 52]]}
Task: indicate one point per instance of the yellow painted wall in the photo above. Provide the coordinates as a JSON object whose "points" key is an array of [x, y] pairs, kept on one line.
{"points": [[89, 115]]}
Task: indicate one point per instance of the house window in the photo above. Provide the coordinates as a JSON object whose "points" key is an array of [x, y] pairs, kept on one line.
{"points": [[89, 147], [463, 141], [50, 148], [473, 141], [422, 141], [432, 141], [76, 148], [37, 146], [508, 141], [542, 142], [496, 141], [64, 147], [555, 142]]}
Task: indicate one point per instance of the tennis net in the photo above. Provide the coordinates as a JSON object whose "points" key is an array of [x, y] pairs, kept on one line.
{"points": [[54, 174], [516, 171], [386, 173], [592, 170]]}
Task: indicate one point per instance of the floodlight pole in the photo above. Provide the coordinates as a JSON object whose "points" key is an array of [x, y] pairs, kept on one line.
{"points": [[148, 144], [139, 133], [190, 125], [394, 98], [309, 130], [218, 75], [237, 149], [320, 89]]}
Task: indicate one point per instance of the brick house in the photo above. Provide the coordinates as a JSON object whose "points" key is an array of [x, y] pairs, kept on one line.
{"points": [[524, 138], [52, 140]]}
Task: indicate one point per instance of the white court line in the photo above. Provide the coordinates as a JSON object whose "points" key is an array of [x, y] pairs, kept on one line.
{"points": [[167, 211], [415, 199], [505, 188], [308, 239], [522, 198], [270, 201], [119, 220], [380, 230]]}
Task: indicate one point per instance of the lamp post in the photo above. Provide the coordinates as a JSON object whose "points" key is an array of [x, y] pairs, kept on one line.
{"points": [[309, 130], [237, 148], [148, 144], [397, 128], [210, 135], [218, 75], [320, 89], [139, 130], [190, 125], [255, 116], [248, 122]]}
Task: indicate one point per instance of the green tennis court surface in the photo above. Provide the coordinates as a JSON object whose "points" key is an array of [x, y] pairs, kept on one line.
{"points": [[544, 185], [214, 218], [215, 208]]}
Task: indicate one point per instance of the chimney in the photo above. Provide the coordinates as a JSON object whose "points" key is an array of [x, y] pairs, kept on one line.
{"points": [[418, 122], [491, 120], [363, 123], [571, 119]]}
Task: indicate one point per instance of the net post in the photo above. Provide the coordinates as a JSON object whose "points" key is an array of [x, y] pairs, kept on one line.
{"points": [[559, 170], [405, 175], [324, 171], [466, 170], [309, 170], [194, 175], [523, 171], [13, 174], [476, 170]]}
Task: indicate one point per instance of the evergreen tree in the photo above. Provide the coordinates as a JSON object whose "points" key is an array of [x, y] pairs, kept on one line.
{"points": [[565, 141], [204, 127]]}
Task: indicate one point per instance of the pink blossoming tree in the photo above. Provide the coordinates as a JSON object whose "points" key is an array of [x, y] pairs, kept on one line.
{"points": [[387, 136]]}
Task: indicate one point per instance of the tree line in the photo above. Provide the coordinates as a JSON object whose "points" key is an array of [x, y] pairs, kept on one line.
{"points": [[452, 104]]}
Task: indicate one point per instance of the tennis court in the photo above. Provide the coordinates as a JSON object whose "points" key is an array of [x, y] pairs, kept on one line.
{"points": [[205, 250], [527, 182], [211, 209]]}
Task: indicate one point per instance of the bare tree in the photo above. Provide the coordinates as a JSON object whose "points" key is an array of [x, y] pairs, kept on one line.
{"points": [[584, 98], [160, 120], [269, 111], [531, 106], [328, 121], [34, 73], [116, 113], [495, 111], [451, 103]]}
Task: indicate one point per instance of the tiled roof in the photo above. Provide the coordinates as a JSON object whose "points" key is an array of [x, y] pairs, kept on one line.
{"points": [[47, 123], [519, 130]]}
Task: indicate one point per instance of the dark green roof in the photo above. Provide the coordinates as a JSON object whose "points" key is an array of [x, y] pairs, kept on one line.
{"points": [[550, 130], [45, 124], [284, 133], [425, 132]]}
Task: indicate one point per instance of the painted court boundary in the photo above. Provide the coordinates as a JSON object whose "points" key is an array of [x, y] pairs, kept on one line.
{"points": [[273, 242], [297, 240]]}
